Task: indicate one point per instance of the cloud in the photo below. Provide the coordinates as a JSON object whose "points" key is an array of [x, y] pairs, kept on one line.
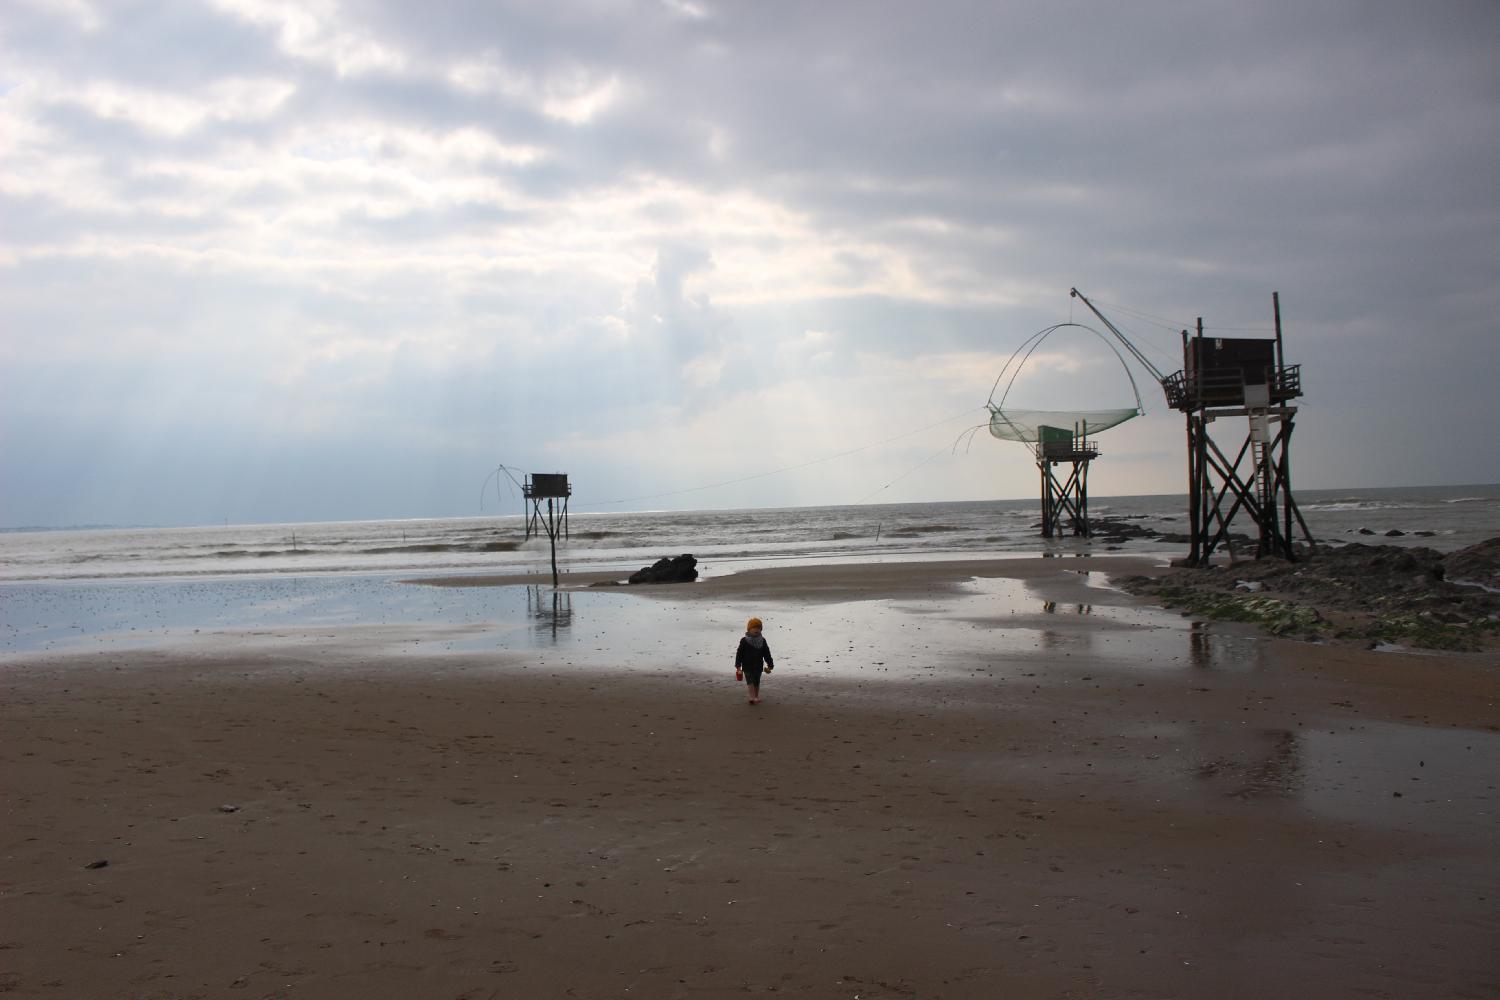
{"points": [[318, 31], [476, 228]]}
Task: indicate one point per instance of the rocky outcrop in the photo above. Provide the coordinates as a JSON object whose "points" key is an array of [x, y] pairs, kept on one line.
{"points": [[677, 569], [1376, 593], [1118, 530], [1477, 564]]}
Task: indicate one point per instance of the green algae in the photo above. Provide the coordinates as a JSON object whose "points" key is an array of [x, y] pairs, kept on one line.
{"points": [[1275, 616], [1416, 629], [1427, 631]]}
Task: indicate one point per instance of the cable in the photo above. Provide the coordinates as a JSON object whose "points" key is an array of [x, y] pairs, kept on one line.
{"points": [[1167, 324], [1143, 342], [970, 432], [495, 476], [898, 479]]}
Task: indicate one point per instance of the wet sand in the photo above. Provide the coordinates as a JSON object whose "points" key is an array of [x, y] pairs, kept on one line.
{"points": [[1023, 785]]}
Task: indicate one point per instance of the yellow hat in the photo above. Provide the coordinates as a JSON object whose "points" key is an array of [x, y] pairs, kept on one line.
{"points": [[752, 623]]}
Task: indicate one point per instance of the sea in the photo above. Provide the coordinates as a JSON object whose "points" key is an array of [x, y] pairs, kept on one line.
{"points": [[59, 586]]}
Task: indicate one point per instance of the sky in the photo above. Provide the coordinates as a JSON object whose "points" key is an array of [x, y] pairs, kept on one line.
{"points": [[266, 261]]}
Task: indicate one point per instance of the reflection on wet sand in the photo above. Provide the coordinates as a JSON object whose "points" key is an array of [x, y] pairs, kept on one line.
{"points": [[1271, 765], [550, 611], [1199, 646], [1209, 650]]}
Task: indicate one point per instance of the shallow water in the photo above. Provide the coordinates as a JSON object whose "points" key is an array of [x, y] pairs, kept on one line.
{"points": [[49, 617], [992, 617]]}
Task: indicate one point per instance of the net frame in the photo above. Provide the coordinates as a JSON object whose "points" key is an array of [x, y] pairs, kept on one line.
{"points": [[1023, 424]]}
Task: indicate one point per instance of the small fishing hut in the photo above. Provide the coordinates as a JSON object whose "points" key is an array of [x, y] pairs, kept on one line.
{"points": [[554, 488]]}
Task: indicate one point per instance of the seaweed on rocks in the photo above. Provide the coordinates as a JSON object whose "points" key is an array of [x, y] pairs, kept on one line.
{"points": [[1372, 593]]}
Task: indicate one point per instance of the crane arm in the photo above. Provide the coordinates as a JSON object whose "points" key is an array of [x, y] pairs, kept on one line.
{"points": [[1134, 351]]}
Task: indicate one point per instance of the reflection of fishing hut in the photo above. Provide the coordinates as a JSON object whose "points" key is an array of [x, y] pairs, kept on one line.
{"points": [[554, 488], [1066, 498], [1238, 377], [550, 612]]}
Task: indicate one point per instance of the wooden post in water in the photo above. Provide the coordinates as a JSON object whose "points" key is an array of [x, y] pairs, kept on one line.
{"points": [[552, 538]]}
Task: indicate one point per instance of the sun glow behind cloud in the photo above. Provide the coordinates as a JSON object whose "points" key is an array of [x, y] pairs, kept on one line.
{"points": [[668, 236]]}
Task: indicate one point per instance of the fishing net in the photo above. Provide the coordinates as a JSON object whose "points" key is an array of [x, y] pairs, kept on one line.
{"points": [[1025, 425], [1033, 426]]}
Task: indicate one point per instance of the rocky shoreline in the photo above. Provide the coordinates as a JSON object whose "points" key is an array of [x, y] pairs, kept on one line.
{"points": [[1114, 531], [1371, 594]]}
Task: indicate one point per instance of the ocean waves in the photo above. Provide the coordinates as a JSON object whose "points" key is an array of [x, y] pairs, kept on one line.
{"points": [[723, 540]]}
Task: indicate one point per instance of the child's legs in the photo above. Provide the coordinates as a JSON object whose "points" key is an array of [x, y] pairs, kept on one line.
{"points": [[752, 682]]}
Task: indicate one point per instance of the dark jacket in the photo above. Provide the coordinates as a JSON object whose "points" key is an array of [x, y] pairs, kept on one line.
{"points": [[747, 657]]}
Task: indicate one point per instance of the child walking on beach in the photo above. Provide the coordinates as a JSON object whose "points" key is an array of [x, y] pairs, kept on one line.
{"points": [[753, 654]]}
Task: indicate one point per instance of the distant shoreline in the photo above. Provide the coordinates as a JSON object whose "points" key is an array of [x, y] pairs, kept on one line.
{"points": [[518, 515]]}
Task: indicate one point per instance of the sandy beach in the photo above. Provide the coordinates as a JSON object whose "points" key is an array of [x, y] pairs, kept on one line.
{"points": [[968, 779]]}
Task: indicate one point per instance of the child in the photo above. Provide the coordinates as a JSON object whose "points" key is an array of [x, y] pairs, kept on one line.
{"points": [[752, 653]]}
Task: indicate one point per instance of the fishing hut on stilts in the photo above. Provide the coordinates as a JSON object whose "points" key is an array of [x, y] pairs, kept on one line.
{"points": [[1065, 500], [553, 487], [1225, 377], [1059, 439]]}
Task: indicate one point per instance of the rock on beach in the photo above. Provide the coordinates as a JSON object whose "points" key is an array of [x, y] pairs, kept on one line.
{"points": [[674, 569]]}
